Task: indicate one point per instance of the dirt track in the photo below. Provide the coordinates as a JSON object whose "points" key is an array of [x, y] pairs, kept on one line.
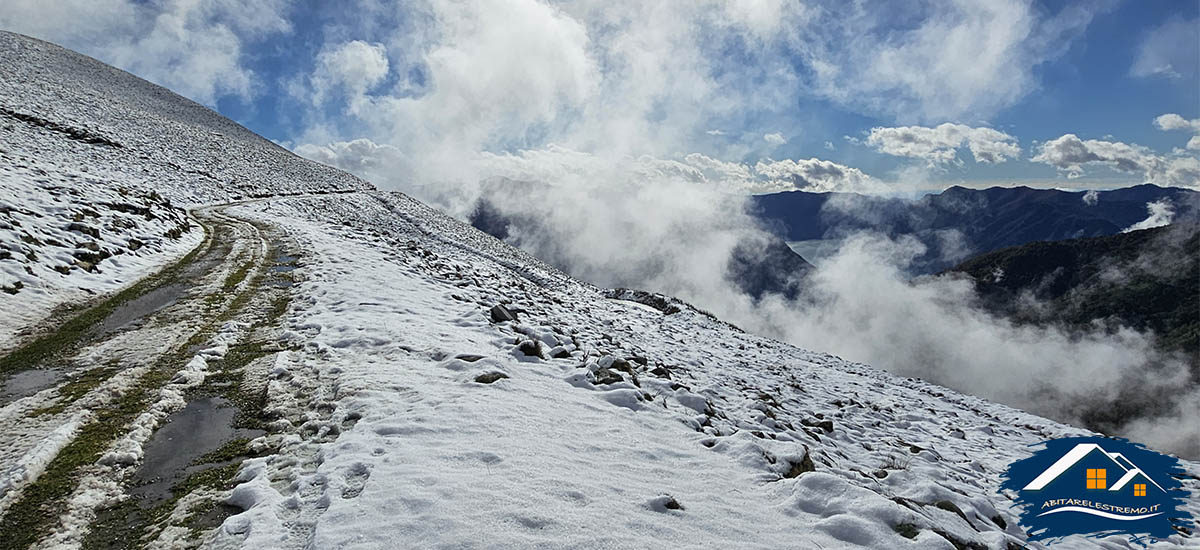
{"points": [[127, 427]]}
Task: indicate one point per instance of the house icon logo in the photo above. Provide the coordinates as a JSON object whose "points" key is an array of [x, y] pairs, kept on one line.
{"points": [[1098, 486]]}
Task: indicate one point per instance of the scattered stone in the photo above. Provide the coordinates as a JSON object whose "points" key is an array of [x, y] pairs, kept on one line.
{"points": [[501, 314], [951, 507], [660, 372], [605, 376], [826, 425], [804, 465], [622, 365], [489, 377], [881, 473], [531, 348], [85, 229], [672, 504], [560, 353], [907, 530], [468, 357]]}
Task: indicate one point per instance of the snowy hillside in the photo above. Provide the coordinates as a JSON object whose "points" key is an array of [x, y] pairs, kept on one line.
{"points": [[96, 163], [342, 367]]}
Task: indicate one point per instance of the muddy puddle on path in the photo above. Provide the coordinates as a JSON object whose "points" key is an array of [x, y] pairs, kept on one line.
{"points": [[171, 455], [140, 307], [168, 294], [282, 267], [28, 382]]}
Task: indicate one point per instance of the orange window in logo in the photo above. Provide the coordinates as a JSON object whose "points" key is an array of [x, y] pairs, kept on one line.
{"points": [[1139, 489], [1096, 478]]}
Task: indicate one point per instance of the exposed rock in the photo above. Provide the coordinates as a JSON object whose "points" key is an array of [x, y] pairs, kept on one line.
{"points": [[605, 376], [500, 314], [85, 229], [531, 348], [804, 465], [826, 425], [489, 377]]}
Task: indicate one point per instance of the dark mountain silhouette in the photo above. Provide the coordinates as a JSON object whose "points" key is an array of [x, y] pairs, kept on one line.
{"points": [[961, 221], [1148, 280]]}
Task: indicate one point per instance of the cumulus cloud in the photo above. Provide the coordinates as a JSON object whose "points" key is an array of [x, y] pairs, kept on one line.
{"points": [[353, 66], [815, 175], [194, 47], [775, 139], [940, 144], [1069, 154], [361, 157], [1168, 51], [1172, 121]]}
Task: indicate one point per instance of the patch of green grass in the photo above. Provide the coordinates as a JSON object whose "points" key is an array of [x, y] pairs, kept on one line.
{"points": [[74, 330], [127, 527], [233, 449], [30, 517], [126, 524], [237, 276]]}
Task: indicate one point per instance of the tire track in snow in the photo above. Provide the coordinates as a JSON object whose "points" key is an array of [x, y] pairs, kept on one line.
{"points": [[71, 460]]}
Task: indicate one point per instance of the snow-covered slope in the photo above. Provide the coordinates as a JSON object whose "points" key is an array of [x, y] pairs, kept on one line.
{"points": [[408, 412], [95, 165], [628, 403]]}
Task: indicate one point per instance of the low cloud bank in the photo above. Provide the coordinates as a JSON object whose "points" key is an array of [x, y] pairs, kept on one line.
{"points": [[653, 230]]}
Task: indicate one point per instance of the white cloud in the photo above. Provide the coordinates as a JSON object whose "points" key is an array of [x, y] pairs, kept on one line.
{"points": [[776, 139], [714, 132], [1069, 154], [814, 175], [354, 66], [194, 47], [361, 157], [1161, 212], [1172, 121], [1170, 51], [829, 145], [1091, 197], [940, 144]]}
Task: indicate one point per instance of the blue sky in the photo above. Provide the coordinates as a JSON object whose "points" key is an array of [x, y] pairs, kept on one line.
{"points": [[758, 96]]}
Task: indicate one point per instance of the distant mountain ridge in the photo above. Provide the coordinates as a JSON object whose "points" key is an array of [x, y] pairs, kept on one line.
{"points": [[959, 222], [1148, 279]]}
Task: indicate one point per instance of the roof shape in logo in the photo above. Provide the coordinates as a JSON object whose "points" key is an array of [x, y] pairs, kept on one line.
{"points": [[1129, 469]]}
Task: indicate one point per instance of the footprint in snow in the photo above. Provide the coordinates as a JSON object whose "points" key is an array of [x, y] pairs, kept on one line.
{"points": [[355, 479]]}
